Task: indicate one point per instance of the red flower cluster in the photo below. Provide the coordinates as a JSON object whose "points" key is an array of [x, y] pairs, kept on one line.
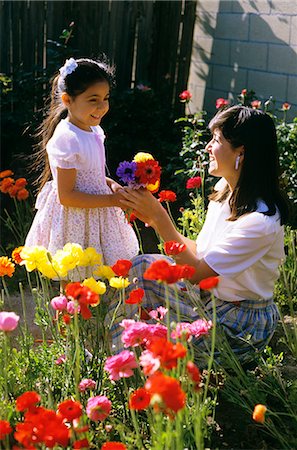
{"points": [[166, 392], [167, 196], [121, 267], [167, 352], [185, 96], [135, 297], [220, 102], [193, 183], [15, 188], [84, 296], [174, 248], [161, 270], [148, 172]]}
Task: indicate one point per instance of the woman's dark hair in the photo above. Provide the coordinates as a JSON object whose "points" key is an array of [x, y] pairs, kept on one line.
{"points": [[87, 73], [260, 170]]}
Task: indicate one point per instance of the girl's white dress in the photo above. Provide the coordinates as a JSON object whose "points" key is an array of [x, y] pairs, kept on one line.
{"points": [[54, 225]]}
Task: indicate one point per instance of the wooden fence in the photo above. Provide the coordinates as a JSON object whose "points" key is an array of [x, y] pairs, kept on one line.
{"points": [[149, 41]]}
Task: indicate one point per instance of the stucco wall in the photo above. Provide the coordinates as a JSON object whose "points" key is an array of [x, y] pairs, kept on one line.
{"points": [[244, 44]]}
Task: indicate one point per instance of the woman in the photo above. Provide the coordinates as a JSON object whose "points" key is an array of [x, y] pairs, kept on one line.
{"points": [[242, 239]]}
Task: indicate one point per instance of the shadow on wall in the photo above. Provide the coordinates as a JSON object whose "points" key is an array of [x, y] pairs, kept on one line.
{"points": [[243, 52]]}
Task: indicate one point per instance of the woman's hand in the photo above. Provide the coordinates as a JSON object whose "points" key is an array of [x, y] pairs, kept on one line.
{"points": [[146, 206]]}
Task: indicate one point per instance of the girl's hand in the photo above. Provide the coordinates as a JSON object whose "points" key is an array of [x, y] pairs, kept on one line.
{"points": [[114, 186], [146, 206]]}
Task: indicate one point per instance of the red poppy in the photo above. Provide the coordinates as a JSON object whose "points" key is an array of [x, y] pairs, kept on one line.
{"points": [[208, 283], [221, 102], [70, 409], [84, 296], [82, 443], [193, 183], [121, 267], [148, 172], [187, 271], [169, 389], [167, 196], [113, 446], [27, 400], [167, 352], [185, 96], [174, 248], [5, 428], [161, 270], [193, 372], [135, 296], [22, 194], [139, 399], [6, 173]]}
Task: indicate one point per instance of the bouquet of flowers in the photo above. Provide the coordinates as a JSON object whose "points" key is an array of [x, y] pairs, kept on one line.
{"points": [[142, 171]]}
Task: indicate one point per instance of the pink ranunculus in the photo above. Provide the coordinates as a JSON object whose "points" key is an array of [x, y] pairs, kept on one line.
{"points": [[134, 334], [85, 384], [149, 363], [221, 102], [200, 327], [72, 306], [60, 360], [120, 365], [59, 303], [155, 331], [181, 329], [158, 313], [185, 96], [98, 408], [8, 321]]}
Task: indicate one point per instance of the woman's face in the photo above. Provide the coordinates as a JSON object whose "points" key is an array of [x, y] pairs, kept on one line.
{"points": [[222, 157]]}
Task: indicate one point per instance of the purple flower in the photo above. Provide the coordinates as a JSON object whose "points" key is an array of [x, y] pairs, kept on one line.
{"points": [[126, 171]]}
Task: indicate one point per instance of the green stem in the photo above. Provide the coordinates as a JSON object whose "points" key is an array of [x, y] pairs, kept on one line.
{"points": [[139, 237], [213, 343]]}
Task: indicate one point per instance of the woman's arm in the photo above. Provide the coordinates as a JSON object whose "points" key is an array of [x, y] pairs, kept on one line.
{"points": [[69, 197], [152, 212]]}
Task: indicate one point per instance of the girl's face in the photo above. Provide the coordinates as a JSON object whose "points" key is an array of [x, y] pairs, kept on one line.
{"points": [[222, 158], [87, 109]]}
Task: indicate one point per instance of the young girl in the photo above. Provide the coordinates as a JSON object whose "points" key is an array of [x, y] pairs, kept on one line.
{"points": [[80, 204], [242, 240]]}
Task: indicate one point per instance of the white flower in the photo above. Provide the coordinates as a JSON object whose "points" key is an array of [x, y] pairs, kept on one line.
{"points": [[69, 66]]}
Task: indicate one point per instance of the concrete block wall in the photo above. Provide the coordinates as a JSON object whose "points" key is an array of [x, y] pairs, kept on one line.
{"points": [[244, 44]]}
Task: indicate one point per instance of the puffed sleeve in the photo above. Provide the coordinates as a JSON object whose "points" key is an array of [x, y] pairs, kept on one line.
{"points": [[247, 242], [64, 151]]}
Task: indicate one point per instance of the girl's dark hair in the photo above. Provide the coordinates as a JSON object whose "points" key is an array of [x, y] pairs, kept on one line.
{"points": [[87, 73], [260, 170]]}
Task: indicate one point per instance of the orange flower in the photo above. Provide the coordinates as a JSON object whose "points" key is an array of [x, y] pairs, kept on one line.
{"points": [[139, 399], [13, 190], [259, 413], [6, 173], [21, 182], [166, 393], [167, 352], [22, 194], [208, 283], [6, 184], [16, 255], [6, 266]]}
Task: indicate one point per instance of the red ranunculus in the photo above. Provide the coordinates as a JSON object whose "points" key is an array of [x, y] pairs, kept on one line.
{"points": [[27, 400], [167, 196], [193, 183], [174, 248], [167, 352], [169, 390], [135, 296], [193, 372], [70, 409], [121, 267], [187, 271], [139, 399], [82, 443], [5, 428], [208, 283], [185, 96], [220, 102], [113, 446]]}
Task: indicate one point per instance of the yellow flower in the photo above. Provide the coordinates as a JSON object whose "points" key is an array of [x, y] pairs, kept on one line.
{"points": [[33, 257], [142, 157], [96, 286], [90, 257], [6, 266], [75, 250], [104, 272], [119, 282], [68, 258], [153, 187], [47, 269]]}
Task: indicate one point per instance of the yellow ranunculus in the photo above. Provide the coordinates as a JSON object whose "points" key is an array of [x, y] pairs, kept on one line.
{"points": [[119, 282], [96, 286], [153, 187], [59, 265], [65, 260], [142, 157], [75, 250], [33, 257], [90, 257], [104, 272]]}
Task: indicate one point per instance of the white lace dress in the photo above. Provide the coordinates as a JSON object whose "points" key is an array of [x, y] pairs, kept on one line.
{"points": [[54, 225]]}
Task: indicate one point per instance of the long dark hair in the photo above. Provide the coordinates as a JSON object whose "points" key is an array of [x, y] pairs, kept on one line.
{"points": [[87, 72], [260, 170]]}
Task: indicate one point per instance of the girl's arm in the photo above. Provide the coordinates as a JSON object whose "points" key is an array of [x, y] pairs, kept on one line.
{"points": [[152, 212], [69, 197], [114, 186]]}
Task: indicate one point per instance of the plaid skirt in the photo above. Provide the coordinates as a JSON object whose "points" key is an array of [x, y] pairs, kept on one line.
{"points": [[247, 326]]}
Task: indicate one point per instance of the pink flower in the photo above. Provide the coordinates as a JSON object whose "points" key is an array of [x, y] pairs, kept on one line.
{"points": [[59, 303], [134, 333], [72, 306], [155, 331], [185, 96], [244, 92], [98, 408], [221, 102], [85, 384], [286, 106], [120, 365], [200, 327], [60, 360], [182, 329], [149, 363], [158, 313], [8, 321], [256, 104]]}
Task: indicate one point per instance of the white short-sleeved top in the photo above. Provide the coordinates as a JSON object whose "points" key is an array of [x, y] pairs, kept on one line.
{"points": [[245, 253]]}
